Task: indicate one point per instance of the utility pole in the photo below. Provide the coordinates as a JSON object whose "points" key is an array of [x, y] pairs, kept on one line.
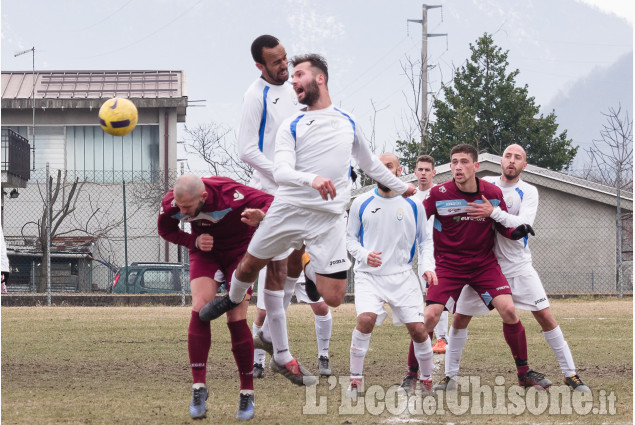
{"points": [[32, 50], [423, 122]]}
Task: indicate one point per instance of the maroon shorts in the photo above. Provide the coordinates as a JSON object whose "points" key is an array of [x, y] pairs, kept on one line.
{"points": [[205, 264], [488, 281]]}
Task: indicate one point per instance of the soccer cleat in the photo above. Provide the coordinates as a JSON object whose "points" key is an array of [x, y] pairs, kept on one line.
{"points": [[197, 405], [309, 285], [216, 308], [294, 372], [576, 383], [259, 371], [324, 366], [409, 383], [262, 343], [439, 347], [354, 389], [534, 379], [245, 407], [426, 385], [446, 384]]}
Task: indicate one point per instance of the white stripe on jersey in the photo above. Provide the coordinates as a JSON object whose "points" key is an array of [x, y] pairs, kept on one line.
{"points": [[521, 200], [393, 226]]}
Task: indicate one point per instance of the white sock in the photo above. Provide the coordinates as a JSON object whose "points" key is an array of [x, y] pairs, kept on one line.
{"points": [[441, 329], [423, 353], [289, 289], [556, 340], [259, 354], [359, 348], [238, 289], [277, 326], [454, 351], [323, 326]]}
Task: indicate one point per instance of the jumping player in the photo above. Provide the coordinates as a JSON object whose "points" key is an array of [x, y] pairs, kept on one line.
{"points": [[515, 261], [266, 103], [314, 149], [463, 253], [219, 238]]}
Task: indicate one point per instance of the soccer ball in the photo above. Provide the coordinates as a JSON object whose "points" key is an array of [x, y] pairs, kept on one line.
{"points": [[118, 116]]}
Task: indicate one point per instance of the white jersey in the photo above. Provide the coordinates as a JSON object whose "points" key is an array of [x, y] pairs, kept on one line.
{"points": [[321, 143], [393, 226], [265, 106], [425, 259], [521, 199]]}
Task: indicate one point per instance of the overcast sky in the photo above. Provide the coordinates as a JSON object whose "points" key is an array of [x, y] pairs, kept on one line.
{"points": [[554, 44]]}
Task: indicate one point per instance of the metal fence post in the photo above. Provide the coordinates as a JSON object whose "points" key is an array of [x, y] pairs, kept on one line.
{"points": [[125, 236], [48, 236]]}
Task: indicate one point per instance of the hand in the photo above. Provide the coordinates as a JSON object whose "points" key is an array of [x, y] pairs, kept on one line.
{"points": [[522, 231], [374, 259], [431, 277], [479, 210], [325, 187], [410, 191], [252, 216], [205, 242]]}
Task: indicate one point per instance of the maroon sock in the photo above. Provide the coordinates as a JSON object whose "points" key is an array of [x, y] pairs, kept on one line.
{"points": [[243, 349], [413, 364], [517, 341], [199, 339]]}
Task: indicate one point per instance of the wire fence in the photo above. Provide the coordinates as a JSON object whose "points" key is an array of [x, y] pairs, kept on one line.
{"points": [[101, 225]]}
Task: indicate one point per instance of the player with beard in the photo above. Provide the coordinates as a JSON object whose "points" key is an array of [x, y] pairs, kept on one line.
{"points": [[514, 257], [464, 255], [314, 150], [383, 231], [267, 102], [214, 206]]}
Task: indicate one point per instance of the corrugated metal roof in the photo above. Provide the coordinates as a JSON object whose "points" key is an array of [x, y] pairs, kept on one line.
{"points": [[93, 84]]}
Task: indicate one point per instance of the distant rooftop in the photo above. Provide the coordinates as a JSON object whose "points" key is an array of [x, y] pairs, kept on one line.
{"points": [[18, 85]]}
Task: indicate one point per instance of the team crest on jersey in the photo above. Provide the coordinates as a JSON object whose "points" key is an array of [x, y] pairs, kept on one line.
{"points": [[238, 196], [335, 123], [509, 201], [442, 189], [173, 203], [399, 214]]}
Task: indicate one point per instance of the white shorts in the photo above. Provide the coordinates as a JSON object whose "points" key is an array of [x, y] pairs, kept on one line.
{"points": [[401, 291], [527, 293], [288, 226]]}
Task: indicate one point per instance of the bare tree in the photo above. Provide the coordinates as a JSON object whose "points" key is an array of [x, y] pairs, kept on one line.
{"points": [[611, 156], [65, 220], [210, 142], [612, 164]]}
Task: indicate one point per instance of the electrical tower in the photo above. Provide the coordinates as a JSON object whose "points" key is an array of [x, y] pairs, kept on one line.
{"points": [[424, 69]]}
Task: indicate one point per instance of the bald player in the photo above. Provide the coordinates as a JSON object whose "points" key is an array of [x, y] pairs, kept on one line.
{"points": [[515, 261], [215, 207]]}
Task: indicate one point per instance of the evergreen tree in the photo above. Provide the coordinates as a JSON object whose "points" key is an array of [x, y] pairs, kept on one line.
{"points": [[485, 108]]}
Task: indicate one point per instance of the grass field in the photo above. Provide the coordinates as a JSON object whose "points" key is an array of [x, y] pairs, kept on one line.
{"points": [[124, 365]]}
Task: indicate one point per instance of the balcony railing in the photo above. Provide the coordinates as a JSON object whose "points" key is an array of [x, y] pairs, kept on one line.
{"points": [[16, 154]]}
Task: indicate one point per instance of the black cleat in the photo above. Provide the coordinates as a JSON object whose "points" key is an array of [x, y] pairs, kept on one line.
{"points": [[409, 383], [216, 308], [534, 379], [259, 371], [309, 285], [576, 383]]}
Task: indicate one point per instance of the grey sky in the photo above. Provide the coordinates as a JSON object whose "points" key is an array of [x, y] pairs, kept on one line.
{"points": [[554, 44]]}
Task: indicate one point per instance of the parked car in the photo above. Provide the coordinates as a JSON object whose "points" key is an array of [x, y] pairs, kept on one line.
{"points": [[151, 278]]}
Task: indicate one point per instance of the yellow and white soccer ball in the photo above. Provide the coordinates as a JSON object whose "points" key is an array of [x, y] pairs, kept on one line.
{"points": [[118, 116]]}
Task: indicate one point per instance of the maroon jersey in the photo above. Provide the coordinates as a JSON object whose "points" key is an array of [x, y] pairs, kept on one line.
{"points": [[220, 216], [463, 243]]}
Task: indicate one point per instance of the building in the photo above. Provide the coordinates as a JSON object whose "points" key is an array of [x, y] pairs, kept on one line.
{"points": [[56, 113]]}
